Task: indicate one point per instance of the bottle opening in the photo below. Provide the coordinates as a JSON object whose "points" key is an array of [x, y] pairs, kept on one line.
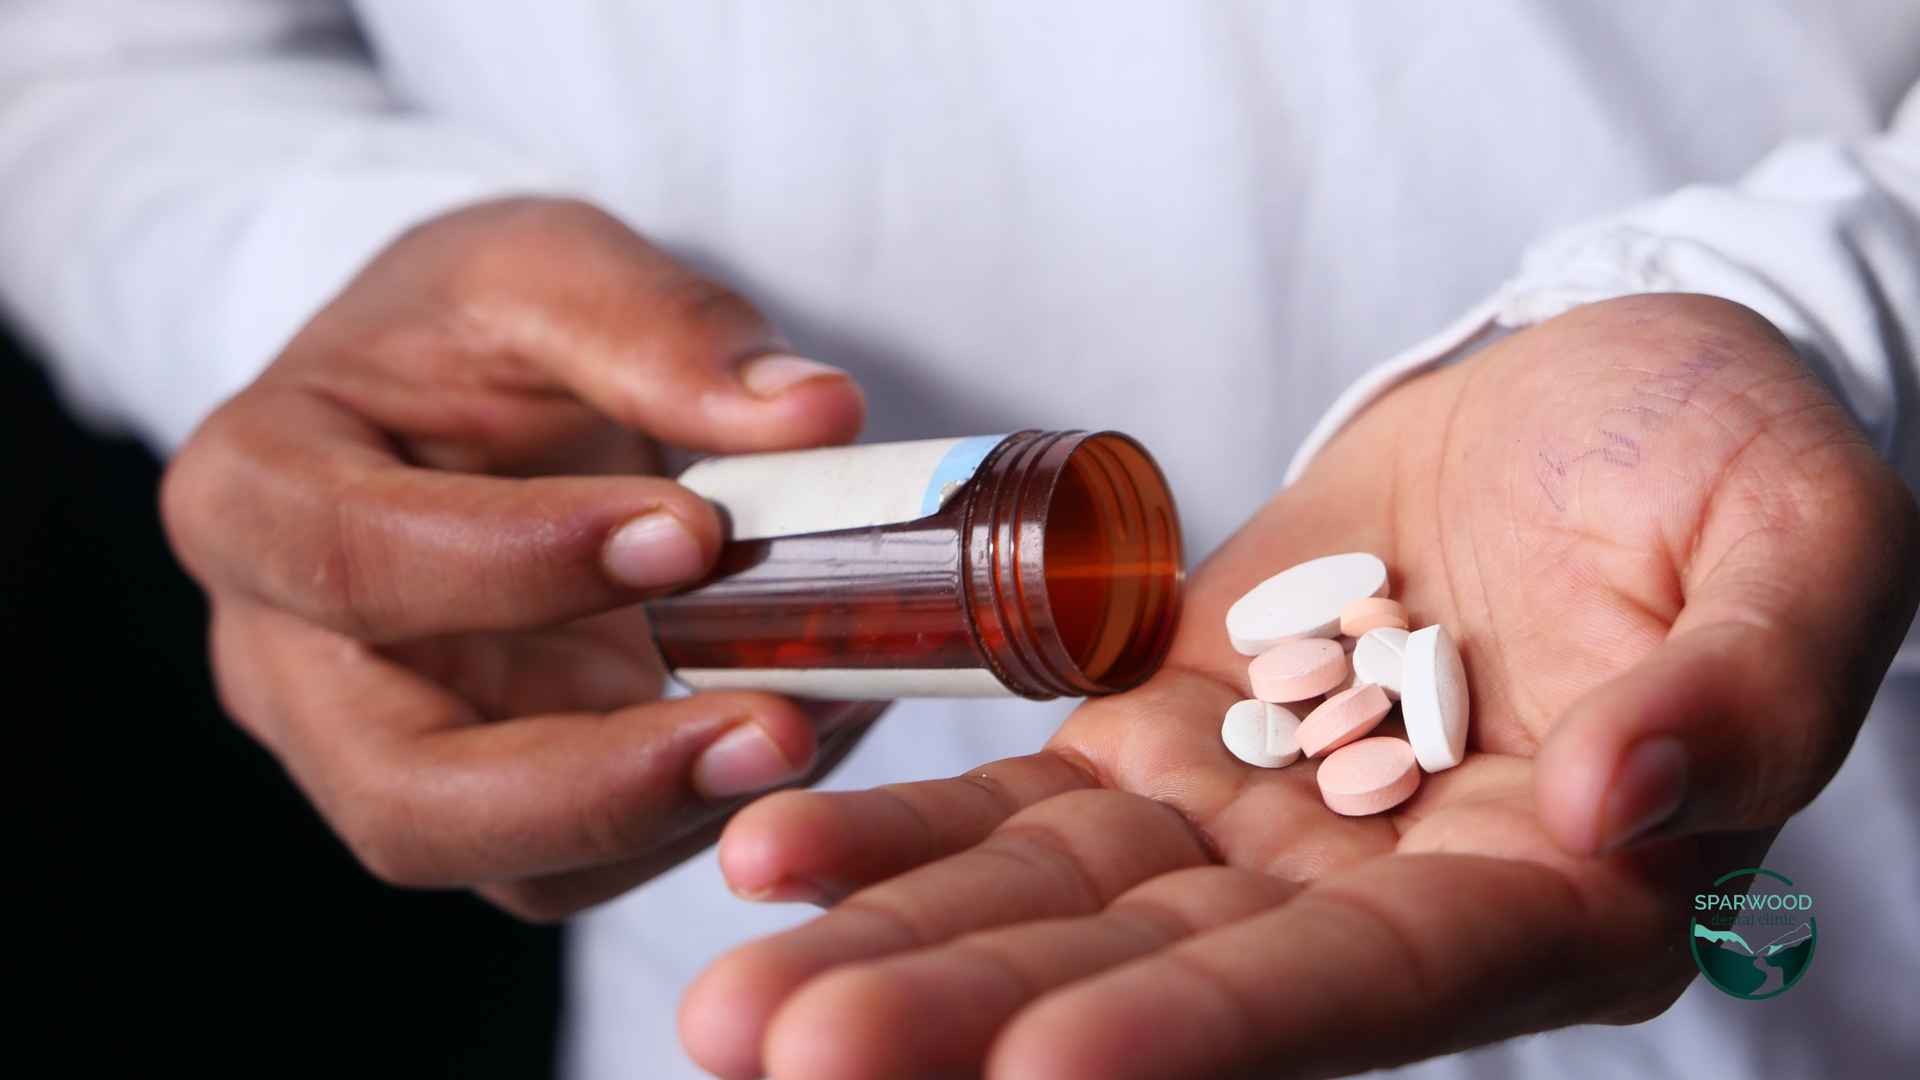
{"points": [[1075, 563], [1112, 562]]}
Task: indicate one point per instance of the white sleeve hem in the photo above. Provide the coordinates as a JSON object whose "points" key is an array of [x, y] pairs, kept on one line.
{"points": [[1468, 334], [1822, 239]]}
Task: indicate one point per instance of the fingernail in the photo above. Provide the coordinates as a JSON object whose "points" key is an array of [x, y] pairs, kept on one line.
{"points": [[790, 891], [774, 374], [744, 759], [653, 550], [1648, 789]]}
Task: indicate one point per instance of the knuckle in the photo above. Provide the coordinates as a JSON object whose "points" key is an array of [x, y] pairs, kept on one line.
{"points": [[180, 501], [242, 513], [325, 578], [190, 495], [494, 246], [317, 579], [333, 572], [536, 219], [507, 226]]}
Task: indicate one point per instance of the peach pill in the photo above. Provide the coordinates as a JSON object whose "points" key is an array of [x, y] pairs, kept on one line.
{"points": [[1371, 614], [1341, 719], [1297, 670], [1369, 776]]}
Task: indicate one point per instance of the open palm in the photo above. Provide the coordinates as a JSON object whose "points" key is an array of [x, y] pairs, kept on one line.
{"points": [[1676, 572]]}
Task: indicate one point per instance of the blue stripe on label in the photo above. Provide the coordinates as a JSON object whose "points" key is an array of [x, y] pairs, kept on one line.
{"points": [[957, 467]]}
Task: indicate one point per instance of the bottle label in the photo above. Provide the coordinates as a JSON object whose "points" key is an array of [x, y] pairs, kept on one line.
{"points": [[837, 487], [851, 684], [796, 493]]}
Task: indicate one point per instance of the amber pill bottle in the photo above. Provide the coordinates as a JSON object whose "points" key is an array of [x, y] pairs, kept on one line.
{"points": [[1038, 565]]}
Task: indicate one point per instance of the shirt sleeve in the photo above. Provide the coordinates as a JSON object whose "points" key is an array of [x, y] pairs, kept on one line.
{"points": [[183, 183], [1822, 238]]}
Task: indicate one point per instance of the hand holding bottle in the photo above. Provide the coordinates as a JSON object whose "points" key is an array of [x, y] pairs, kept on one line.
{"points": [[424, 528]]}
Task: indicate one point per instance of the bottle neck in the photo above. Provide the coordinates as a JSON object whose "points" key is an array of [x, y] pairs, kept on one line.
{"points": [[1073, 563]]}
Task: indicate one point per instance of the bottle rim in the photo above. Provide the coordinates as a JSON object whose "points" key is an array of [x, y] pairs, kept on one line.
{"points": [[1074, 565]]}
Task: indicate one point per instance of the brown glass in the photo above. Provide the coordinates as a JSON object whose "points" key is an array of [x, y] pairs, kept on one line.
{"points": [[1058, 567]]}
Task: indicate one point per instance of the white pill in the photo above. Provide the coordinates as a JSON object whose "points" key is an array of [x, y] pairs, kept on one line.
{"points": [[1380, 657], [1261, 734], [1433, 698], [1304, 601], [1283, 731]]}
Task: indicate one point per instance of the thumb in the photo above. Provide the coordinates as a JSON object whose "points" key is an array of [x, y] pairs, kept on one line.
{"points": [[1749, 707], [1729, 727], [645, 340]]}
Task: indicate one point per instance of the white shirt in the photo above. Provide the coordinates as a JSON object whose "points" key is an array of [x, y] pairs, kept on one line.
{"points": [[1194, 222]]}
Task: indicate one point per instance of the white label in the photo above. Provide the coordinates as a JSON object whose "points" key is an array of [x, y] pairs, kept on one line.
{"points": [[851, 684], [836, 487]]}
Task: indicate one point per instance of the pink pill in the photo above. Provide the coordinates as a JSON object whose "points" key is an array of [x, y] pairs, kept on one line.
{"points": [[1342, 718], [1297, 670], [1369, 776], [1371, 614]]}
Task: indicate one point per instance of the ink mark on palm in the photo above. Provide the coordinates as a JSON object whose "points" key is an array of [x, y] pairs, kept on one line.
{"points": [[1618, 430]]}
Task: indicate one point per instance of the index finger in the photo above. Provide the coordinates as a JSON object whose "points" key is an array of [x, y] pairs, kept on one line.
{"points": [[287, 497], [1068, 855], [631, 331]]}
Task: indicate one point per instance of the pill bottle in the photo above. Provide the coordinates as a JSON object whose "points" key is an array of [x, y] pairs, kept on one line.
{"points": [[1037, 565]]}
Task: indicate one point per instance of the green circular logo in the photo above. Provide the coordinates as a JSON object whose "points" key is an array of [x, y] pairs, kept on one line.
{"points": [[1753, 938]]}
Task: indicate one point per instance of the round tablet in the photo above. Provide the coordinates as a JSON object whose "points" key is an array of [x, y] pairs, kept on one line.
{"points": [[1297, 670], [1371, 614], [1249, 733], [1380, 657], [1283, 726], [1368, 776], [1303, 601], [1341, 719], [1433, 697]]}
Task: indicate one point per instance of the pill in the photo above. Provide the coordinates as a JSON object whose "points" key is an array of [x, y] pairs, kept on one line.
{"points": [[1372, 613], [1380, 658], [1260, 733], [1297, 670], [1433, 696], [1342, 718], [1283, 728], [1368, 776], [1303, 601]]}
